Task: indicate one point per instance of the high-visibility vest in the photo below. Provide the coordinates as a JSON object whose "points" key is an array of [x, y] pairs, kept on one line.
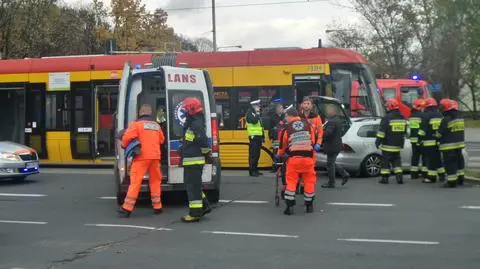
{"points": [[254, 129]]}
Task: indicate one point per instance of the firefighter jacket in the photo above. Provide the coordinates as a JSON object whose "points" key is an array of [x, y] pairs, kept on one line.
{"points": [[297, 139], [254, 124], [150, 136], [414, 122], [452, 131], [391, 134], [316, 123], [428, 134], [195, 142]]}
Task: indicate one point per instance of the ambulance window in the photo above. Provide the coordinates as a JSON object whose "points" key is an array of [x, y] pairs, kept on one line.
{"points": [[175, 103]]}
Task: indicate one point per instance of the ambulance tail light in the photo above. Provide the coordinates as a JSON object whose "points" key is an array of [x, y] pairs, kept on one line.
{"points": [[174, 157], [347, 149], [214, 122]]}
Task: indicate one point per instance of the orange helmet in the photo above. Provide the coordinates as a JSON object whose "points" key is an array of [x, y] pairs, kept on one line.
{"points": [[430, 102], [392, 104], [419, 104], [448, 104], [192, 105]]}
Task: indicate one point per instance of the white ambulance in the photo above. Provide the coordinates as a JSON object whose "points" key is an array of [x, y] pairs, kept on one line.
{"points": [[165, 88]]}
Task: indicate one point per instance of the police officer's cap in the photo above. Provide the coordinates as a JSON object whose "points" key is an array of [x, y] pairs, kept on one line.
{"points": [[255, 103]]}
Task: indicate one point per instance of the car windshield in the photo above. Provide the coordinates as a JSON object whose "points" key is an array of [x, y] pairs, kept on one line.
{"points": [[355, 86]]}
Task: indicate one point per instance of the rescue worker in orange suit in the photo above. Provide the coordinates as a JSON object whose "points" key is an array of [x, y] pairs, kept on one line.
{"points": [[194, 152], [148, 132], [452, 141], [428, 136], [414, 123], [390, 140], [297, 144]]}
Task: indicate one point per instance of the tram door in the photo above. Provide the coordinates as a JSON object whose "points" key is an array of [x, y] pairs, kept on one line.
{"points": [[12, 111], [106, 99], [35, 119]]}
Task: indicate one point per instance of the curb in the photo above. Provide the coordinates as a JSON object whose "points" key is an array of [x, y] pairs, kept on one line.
{"points": [[473, 179]]}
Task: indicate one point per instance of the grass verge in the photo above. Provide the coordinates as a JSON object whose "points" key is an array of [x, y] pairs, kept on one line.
{"points": [[473, 174], [469, 123]]}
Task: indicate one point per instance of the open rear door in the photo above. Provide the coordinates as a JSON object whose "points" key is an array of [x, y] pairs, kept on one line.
{"points": [[120, 119]]}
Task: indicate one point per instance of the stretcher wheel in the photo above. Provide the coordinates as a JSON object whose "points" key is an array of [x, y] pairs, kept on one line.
{"points": [[277, 200]]}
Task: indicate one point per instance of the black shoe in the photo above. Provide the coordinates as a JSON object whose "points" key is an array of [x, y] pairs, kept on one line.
{"points": [[309, 208], [460, 180], [345, 179], [399, 179], [328, 185], [122, 213], [259, 173], [449, 184], [288, 211], [383, 181], [157, 211], [254, 174], [188, 218], [414, 176]]}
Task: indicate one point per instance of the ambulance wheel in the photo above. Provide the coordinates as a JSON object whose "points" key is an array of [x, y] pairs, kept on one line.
{"points": [[121, 197], [213, 195]]}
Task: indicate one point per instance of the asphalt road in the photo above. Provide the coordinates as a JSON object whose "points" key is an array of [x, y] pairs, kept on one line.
{"points": [[69, 221]]}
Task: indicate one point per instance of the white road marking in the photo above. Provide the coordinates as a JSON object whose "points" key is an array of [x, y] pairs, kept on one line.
{"points": [[23, 222], [470, 207], [388, 241], [252, 234], [129, 226], [107, 197], [243, 201], [22, 195], [76, 171], [362, 204]]}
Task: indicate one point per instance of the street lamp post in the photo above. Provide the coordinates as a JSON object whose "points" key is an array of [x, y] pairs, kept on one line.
{"points": [[214, 27]]}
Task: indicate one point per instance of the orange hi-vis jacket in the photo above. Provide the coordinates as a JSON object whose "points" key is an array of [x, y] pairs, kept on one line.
{"points": [[150, 136], [317, 125], [297, 139]]}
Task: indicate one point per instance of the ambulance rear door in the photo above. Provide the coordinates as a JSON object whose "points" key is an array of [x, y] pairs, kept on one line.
{"points": [[120, 123], [181, 83]]}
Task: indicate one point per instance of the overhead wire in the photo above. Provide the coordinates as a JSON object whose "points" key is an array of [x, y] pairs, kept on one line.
{"points": [[246, 5]]}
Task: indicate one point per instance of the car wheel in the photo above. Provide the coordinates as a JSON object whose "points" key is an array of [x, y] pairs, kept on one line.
{"points": [[213, 196], [19, 179], [371, 165]]}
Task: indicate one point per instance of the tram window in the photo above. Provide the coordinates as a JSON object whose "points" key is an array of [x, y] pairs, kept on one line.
{"points": [[222, 101], [244, 97], [57, 116], [389, 93]]}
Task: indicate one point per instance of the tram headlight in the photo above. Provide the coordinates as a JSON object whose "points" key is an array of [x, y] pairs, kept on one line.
{"points": [[6, 156]]}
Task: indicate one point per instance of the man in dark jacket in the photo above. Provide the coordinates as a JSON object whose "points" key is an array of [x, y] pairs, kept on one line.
{"points": [[194, 150], [452, 141], [332, 145], [275, 125], [390, 139], [256, 137]]}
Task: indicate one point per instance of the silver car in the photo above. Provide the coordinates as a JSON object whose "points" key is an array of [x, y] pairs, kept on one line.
{"points": [[359, 154], [17, 161]]}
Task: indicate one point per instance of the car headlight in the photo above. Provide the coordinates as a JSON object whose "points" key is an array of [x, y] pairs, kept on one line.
{"points": [[6, 156]]}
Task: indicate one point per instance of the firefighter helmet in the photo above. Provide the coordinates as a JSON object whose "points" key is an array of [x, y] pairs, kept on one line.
{"points": [[192, 105], [419, 104], [430, 102], [392, 104], [448, 104]]}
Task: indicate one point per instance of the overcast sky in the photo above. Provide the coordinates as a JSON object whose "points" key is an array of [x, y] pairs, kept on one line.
{"points": [[285, 25]]}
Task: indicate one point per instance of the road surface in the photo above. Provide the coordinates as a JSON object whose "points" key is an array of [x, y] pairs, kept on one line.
{"points": [[67, 219]]}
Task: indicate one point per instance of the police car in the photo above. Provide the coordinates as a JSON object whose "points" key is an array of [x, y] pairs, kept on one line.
{"points": [[166, 87]]}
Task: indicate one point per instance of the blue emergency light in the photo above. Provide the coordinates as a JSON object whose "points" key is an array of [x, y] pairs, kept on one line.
{"points": [[415, 76], [138, 66]]}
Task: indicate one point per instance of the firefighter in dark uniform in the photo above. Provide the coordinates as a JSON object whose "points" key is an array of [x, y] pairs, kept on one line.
{"points": [[256, 137], [452, 141], [390, 139], [414, 123], [194, 150], [428, 136]]}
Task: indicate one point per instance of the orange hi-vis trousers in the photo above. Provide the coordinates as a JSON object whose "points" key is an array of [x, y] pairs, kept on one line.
{"points": [[139, 168], [304, 167]]}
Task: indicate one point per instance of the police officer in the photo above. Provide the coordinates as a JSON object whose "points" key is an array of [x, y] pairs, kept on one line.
{"points": [[256, 137], [194, 150], [297, 143], [276, 124], [390, 139], [428, 136], [150, 136], [414, 123], [452, 141], [332, 145]]}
